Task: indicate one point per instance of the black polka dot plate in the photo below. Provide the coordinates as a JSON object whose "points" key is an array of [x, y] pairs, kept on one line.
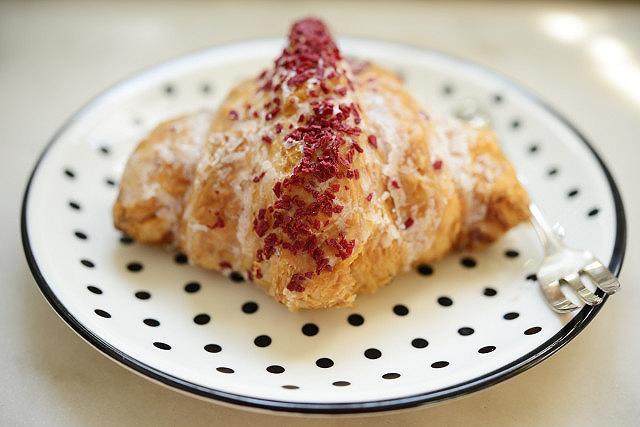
{"points": [[441, 331]]}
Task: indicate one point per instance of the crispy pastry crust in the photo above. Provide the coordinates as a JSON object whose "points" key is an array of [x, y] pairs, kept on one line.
{"points": [[246, 188]]}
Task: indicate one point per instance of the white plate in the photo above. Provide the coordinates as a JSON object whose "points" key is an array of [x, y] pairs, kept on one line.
{"points": [[151, 320]]}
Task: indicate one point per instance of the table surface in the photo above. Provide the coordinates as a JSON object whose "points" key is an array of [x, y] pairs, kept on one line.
{"points": [[583, 58]]}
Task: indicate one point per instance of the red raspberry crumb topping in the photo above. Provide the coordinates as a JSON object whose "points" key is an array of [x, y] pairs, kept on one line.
{"points": [[408, 222], [306, 199], [219, 221], [373, 141], [258, 178]]}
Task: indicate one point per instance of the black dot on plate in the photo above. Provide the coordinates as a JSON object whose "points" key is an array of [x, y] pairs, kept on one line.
{"points": [[400, 310], [573, 192], [468, 262], [192, 287], [447, 89], [511, 253], [262, 341], [94, 289], [74, 205], [290, 387], [511, 315], [201, 319], [87, 263], [137, 121], [69, 173], [126, 240], [134, 267], [310, 329], [440, 364], [486, 349], [593, 212], [236, 277], [181, 258], [151, 322], [532, 277], [169, 89], [104, 149], [391, 376], [275, 369], [212, 348], [355, 319], [80, 235], [419, 342], [425, 269], [225, 370], [466, 331], [161, 345], [532, 331], [249, 307], [534, 148], [341, 383], [110, 182], [489, 292], [372, 353], [205, 88], [497, 98], [102, 313], [324, 362], [553, 171], [142, 295], [515, 124], [445, 301]]}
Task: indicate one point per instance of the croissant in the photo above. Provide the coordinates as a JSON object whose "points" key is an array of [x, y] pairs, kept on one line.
{"points": [[318, 180]]}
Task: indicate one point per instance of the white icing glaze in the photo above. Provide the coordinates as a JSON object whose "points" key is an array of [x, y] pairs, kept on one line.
{"points": [[183, 150], [449, 141]]}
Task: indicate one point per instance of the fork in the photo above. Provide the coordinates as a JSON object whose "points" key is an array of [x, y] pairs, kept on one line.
{"points": [[564, 266], [561, 266]]}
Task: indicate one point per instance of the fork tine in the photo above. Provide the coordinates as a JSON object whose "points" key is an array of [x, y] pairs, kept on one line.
{"points": [[583, 292], [602, 277], [556, 298]]}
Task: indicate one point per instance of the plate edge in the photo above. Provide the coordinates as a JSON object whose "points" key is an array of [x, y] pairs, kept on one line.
{"points": [[525, 362]]}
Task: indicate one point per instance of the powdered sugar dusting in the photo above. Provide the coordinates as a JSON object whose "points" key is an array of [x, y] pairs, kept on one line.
{"points": [[180, 149], [450, 141]]}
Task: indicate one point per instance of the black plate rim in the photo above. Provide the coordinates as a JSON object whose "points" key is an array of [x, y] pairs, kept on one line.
{"points": [[534, 357]]}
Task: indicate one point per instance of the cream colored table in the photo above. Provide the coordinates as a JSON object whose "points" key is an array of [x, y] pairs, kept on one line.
{"points": [[584, 59]]}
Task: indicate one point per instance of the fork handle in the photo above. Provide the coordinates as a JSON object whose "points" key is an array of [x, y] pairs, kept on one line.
{"points": [[547, 236]]}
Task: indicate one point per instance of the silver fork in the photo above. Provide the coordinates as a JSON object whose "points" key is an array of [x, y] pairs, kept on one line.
{"points": [[561, 265]]}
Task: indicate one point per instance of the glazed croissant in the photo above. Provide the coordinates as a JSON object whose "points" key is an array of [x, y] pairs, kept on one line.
{"points": [[318, 180]]}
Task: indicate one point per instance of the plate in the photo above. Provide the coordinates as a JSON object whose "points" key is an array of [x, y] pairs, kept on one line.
{"points": [[442, 331]]}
